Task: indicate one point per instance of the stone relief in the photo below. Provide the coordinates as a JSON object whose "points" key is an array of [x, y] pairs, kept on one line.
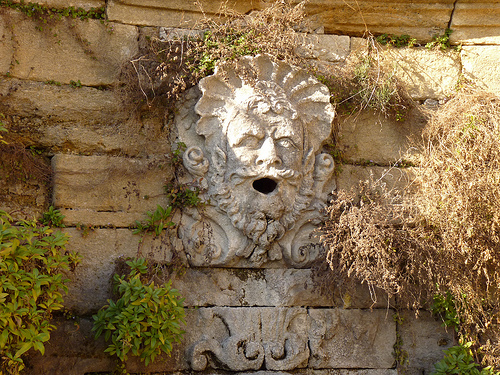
{"points": [[289, 338], [252, 338], [254, 143]]}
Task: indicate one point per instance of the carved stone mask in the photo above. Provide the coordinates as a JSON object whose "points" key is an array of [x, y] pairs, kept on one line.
{"points": [[261, 141]]}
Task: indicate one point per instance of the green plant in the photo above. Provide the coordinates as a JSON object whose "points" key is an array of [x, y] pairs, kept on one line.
{"points": [[53, 218], [176, 155], [459, 360], [444, 306], [440, 41], [145, 319], [183, 195], [52, 82], [2, 129], [75, 84], [397, 41], [32, 258], [45, 13], [158, 220]]}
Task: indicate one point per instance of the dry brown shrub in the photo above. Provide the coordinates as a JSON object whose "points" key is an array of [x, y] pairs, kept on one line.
{"points": [[165, 69], [441, 236], [365, 81]]}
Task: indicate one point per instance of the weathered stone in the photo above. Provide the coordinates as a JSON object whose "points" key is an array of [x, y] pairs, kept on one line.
{"points": [[476, 22], [371, 138], [92, 281], [24, 200], [332, 48], [85, 4], [268, 287], [256, 149], [84, 120], [70, 50], [424, 340], [6, 45], [424, 73], [351, 338], [316, 372], [420, 19], [481, 64], [90, 189], [241, 339], [177, 13], [172, 33], [393, 178]]}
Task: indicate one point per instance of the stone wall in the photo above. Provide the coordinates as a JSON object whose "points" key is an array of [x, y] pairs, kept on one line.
{"points": [[109, 168]]}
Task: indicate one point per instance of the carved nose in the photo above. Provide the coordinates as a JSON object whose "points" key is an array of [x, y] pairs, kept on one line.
{"points": [[267, 154]]}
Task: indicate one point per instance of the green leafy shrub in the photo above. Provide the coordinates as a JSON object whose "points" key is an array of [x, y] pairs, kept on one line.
{"points": [[32, 259], [145, 319], [459, 360]]}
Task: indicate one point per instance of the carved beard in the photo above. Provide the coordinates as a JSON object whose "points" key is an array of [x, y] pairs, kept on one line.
{"points": [[256, 224]]}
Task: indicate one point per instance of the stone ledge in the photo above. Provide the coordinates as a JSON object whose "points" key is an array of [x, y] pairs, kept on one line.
{"points": [[420, 19], [175, 13]]}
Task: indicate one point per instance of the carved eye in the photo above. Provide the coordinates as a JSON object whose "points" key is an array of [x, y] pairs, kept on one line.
{"points": [[249, 141], [285, 142]]}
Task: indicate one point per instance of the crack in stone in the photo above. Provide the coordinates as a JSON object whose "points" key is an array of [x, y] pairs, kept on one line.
{"points": [[452, 12]]}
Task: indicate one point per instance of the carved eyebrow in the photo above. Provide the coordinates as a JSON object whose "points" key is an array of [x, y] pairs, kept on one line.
{"points": [[280, 133], [254, 133]]}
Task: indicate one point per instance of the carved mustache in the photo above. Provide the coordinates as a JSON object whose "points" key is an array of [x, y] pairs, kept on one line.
{"points": [[240, 175]]}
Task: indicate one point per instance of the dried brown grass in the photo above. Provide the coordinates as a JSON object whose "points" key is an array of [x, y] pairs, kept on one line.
{"points": [[165, 69], [443, 235]]}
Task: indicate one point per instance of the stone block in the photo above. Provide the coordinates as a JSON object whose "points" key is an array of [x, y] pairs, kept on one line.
{"points": [[476, 22], [108, 191], [393, 178], [424, 73], [92, 281], [371, 138], [331, 48], [424, 339], [177, 13], [84, 120], [265, 287], [71, 50], [481, 64], [351, 338], [420, 19], [6, 44]]}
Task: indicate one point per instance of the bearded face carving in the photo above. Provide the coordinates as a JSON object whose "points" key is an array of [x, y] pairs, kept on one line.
{"points": [[256, 146]]}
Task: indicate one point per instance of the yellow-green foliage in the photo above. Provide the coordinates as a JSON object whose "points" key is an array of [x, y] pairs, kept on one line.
{"points": [[146, 318], [32, 258]]}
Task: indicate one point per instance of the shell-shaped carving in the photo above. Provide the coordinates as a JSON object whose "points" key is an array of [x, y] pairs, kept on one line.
{"points": [[225, 89]]}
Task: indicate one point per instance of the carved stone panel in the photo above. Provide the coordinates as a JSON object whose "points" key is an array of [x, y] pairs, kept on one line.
{"points": [[254, 143], [284, 339], [241, 339]]}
